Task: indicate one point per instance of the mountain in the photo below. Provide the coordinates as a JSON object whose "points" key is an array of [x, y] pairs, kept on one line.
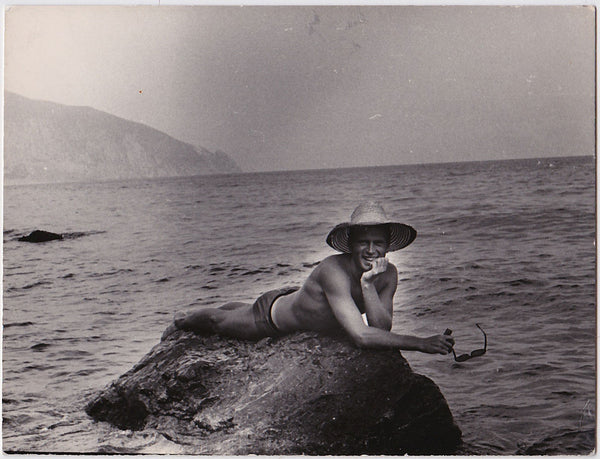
{"points": [[48, 142]]}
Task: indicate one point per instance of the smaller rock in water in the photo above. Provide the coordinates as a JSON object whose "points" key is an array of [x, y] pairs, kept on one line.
{"points": [[40, 236]]}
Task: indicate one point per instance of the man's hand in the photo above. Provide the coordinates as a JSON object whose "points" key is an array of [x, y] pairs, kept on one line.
{"points": [[378, 266], [437, 344]]}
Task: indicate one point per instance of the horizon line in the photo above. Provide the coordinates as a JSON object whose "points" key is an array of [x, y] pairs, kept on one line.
{"points": [[108, 180]]}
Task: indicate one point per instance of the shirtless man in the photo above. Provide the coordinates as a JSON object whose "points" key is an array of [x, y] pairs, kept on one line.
{"points": [[339, 290]]}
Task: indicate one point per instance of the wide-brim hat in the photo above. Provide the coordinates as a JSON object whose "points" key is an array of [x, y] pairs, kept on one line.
{"points": [[371, 214]]}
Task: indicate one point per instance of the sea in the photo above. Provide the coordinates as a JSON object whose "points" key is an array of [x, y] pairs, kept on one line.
{"points": [[508, 245]]}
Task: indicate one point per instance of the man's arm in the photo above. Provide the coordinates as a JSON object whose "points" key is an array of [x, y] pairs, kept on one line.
{"points": [[379, 305], [336, 286]]}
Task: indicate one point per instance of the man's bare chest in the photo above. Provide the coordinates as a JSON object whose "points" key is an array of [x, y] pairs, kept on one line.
{"points": [[357, 296]]}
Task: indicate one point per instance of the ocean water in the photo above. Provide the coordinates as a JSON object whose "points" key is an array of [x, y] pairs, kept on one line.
{"points": [[506, 244]]}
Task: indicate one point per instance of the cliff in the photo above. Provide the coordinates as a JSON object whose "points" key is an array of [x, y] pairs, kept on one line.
{"points": [[49, 142], [300, 394]]}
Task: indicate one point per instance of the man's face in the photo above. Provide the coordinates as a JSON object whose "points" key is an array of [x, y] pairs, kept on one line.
{"points": [[368, 243]]}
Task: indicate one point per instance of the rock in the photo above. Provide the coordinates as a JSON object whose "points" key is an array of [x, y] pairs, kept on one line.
{"points": [[40, 236], [299, 394]]}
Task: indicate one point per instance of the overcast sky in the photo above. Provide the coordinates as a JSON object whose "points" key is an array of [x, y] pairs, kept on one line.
{"points": [[305, 87]]}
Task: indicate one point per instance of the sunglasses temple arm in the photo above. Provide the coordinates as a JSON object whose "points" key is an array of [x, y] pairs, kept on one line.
{"points": [[484, 337]]}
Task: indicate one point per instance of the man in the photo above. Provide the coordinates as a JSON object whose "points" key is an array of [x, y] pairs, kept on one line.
{"points": [[339, 290]]}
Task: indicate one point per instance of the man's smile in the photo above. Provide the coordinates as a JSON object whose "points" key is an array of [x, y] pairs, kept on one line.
{"points": [[368, 261]]}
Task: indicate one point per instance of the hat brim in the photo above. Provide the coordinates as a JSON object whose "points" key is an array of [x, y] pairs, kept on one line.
{"points": [[401, 235]]}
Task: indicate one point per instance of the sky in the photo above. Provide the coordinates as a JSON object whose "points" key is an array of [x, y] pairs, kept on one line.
{"points": [[304, 87]]}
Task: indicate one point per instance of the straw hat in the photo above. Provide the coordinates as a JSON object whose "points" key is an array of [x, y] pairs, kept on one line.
{"points": [[370, 214]]}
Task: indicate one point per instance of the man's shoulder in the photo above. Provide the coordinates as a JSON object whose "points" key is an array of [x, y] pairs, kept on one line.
{"points": [[332, 266], [337, 261], [332, 273], [391, 274], [391, 268]]}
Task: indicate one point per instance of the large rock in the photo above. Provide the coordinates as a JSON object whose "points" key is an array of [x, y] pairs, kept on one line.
{"points": [[300, 394]]}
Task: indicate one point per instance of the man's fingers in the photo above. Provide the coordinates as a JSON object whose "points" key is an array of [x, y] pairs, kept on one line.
{"points": [[380, 265], [447, 343], [377, 266]]}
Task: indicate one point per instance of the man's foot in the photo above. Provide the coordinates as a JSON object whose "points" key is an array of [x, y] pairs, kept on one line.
{"points": [[169, 331], [179, 319], [176, 325]]}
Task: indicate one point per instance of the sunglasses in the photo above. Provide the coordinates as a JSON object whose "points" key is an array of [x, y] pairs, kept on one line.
{"points": [[475, 353]]}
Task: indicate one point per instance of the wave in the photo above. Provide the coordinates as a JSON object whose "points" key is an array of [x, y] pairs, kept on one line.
{"points": [[71, 354], [112, 273], [40, 347], [229, 271], [524, 281], [28, 286], [563, 442], [18, 324], [76, 235]]}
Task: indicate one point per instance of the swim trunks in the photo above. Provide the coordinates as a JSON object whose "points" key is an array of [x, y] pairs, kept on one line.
{"points": [[261, 310]]}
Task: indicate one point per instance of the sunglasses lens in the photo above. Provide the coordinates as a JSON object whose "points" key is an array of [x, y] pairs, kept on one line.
{"points": [[475, 353]]}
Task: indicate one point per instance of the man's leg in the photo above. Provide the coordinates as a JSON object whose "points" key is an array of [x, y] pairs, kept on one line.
{"points": [[235, 320], [233, 305]]}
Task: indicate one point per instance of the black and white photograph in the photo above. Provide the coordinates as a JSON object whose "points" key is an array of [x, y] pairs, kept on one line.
{"points": [[274, 230]]}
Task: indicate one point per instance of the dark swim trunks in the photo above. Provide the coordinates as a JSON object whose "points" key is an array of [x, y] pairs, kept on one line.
{"points": [[262, 310]]}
